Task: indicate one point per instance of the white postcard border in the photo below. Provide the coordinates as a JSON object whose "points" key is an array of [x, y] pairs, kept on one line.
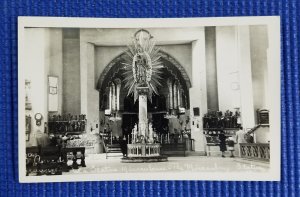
{"points": [[273, 23]]}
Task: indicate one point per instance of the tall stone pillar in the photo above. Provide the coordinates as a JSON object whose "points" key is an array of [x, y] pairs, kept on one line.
{"points": [[118, 87], [113, 103], [245, 76], [234, 72], [35, 49], [143, 119], [110, 96], [179, 97], [170, 95], [175, 95], [83, 79], [89, 95], [198, 93]]}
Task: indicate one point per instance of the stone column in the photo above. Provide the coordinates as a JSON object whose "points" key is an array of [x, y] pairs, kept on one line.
{"points": [[170, 94], [245, 76], [198, 93], [35, 49], [227, 71], [234, 72], [109, 96], [143, 120], [83, 79], [113, 103], [175, 95], [89, 95], [118, 87], [179, 97]]}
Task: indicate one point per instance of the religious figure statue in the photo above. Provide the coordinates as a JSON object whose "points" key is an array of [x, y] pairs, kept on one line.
{"points": [[150, 130], [134, 133], [142, 68], [135, 129], [142, 65]]}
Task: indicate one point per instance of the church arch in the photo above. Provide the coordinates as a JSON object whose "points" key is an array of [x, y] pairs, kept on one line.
{"points": [[175, 69], [116, 62]]}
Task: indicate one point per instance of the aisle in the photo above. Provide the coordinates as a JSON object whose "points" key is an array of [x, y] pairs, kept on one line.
{"points": [[96, 163]]}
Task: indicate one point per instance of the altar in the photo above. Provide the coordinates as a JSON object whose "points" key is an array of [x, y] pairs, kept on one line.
{"points": [[142, 81]]}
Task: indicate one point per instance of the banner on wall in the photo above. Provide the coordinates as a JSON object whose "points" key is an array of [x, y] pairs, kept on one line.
{"points": [[53, 94]]}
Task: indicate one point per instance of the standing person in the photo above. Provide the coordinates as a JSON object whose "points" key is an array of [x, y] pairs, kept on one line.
{"points": [[123, 145], [238, 117], [222, 139], [240, 138], [230, 143], [188, 127], [101, 144]]}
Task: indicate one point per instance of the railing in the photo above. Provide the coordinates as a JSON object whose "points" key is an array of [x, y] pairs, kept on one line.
{"points": [[257, 151], [143, 150]]}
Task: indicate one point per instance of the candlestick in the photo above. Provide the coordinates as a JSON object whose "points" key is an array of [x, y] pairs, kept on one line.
{"points": [[168, 138], [110, 137]]}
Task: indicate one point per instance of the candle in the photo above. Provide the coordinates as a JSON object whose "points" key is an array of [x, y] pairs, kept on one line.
{"points": [[110, 137], [132, 137]]}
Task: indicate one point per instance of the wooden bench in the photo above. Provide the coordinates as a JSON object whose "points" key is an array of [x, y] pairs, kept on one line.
{"points": [[43, 160], [74, 151], [112, 148], [49, 162], [52, 160], [32, 159]]}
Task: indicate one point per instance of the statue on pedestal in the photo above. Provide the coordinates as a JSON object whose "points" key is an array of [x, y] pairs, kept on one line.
{"points": [[141, 62], [150, 133], [134, 133]]}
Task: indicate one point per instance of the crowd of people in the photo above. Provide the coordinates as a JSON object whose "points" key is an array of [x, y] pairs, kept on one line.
{"points": [[218, 119]]}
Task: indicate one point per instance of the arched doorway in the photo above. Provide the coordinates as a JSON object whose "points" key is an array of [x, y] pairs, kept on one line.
{"points": [[173, 93]]}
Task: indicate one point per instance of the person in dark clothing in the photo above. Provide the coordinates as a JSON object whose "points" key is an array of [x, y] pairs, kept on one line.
{"points": [[222, 139], [123, 145]]}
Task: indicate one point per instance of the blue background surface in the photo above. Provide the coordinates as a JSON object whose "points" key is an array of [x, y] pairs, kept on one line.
{"points": [[290, 135]]}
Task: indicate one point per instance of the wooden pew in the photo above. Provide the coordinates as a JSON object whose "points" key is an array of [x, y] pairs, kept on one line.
{"points": [[74, 151], [32, 159]]}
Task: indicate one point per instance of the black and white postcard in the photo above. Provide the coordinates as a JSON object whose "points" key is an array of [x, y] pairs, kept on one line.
{"points": [[149, 99]]}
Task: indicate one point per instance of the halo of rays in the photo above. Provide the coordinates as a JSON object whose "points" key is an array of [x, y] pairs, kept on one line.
{"points": [[156, 69]]}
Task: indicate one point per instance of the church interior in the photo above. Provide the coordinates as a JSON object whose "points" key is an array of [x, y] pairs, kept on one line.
{"points": [[212, 81]]}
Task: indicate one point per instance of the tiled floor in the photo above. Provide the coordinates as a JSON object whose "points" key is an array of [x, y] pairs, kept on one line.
{"points": [[97, 163]]}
